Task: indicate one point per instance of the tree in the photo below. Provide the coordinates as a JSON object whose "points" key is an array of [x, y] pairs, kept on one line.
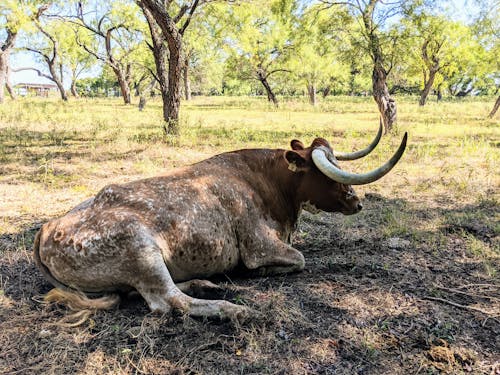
{"points": [[160, 52], [74, 58], [173, 19], [113, 32], [259, 42], [487, 28], [432, 48], [47, 48], [5, 49], [372, 15], [317, 48], [202, 46], [14, 15]]}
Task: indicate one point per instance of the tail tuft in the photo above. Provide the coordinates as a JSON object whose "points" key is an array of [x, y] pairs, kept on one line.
{"points": [[77, 301], [83, 306]]}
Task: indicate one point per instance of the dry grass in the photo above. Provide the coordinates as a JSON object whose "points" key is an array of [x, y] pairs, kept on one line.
{"points": [[362, 305]]}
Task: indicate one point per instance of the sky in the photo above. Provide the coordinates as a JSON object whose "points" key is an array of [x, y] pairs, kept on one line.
{"points": [[459, 10]]}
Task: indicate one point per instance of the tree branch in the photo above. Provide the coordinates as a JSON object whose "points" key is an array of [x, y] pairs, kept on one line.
{"points": [[188, 20], [9, 41], [40, 73]]}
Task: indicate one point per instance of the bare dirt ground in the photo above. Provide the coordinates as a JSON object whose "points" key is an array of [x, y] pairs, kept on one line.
{"points": [[364, 305]]}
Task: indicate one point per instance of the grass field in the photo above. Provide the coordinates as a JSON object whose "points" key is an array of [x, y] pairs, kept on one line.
{"points": [[409, 285]]}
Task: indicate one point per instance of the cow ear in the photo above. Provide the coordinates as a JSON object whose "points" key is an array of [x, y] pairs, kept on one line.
{"points": [[296, 145], [296, 162]]}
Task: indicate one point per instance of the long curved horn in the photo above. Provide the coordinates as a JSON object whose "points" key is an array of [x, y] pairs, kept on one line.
{"points": [[319, 156], [361, 153]]}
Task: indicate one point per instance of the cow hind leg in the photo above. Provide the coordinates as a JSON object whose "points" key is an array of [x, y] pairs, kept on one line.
{"points": [[162, 295]]}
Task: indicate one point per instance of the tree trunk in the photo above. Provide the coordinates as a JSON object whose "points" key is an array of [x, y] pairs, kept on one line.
{"points": [[142, 102], [73, 89], [162, 27], [61, 89], [187, 83], [3, 76], [270, 94], [495, 108], [171, 105], [57, 80], [386, 104], [8, 83], [326, 91], [427, 87], [160, 53], [5, 48], [439, 94], [124, 86], [142, 93], [352, 79], [311, 90]]}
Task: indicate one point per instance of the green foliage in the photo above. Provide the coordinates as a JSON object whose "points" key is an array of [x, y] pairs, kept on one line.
{"points": [[257, 42], [450, 46], [316, 58], [96, 87], [294, 44], [17, 14]]}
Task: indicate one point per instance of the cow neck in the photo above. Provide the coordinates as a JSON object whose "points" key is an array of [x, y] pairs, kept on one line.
{"points": [[275, 183]]}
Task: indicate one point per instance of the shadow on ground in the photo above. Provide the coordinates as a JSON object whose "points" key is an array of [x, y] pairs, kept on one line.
{"points": [[364, 305]]}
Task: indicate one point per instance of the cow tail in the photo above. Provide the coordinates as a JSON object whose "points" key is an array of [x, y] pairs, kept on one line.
{"points": [[75, 300]]}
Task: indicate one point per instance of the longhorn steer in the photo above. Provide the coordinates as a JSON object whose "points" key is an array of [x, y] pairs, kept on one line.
{"points": [[160, 234]]}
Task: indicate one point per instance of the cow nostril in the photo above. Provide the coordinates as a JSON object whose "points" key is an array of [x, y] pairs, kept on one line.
{"points": [[360, 206]]}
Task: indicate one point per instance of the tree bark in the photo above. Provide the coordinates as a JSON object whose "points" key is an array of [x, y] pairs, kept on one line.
{"points": [[143, 93], [123, 83], [386, 104], [3, 76], [187, 82], [5, 48], [495, 108], [9, 86], [73, 89], [173, 36], [172, 105], [270, 94], [56, 78], [160, 53], [311, 90], [427, 87]]}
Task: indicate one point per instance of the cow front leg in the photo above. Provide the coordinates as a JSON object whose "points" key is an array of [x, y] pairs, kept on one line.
{"points": [[279, 264], [273, 258]]}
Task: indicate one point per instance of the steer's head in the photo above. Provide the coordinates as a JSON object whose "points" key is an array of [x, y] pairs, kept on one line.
{"points": [[323, 185]]}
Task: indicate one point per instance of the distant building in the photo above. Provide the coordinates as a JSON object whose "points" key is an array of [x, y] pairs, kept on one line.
{"points": [[35, 89]]}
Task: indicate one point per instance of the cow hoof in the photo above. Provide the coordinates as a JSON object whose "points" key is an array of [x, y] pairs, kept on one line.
{"points": [[244, 315]]}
